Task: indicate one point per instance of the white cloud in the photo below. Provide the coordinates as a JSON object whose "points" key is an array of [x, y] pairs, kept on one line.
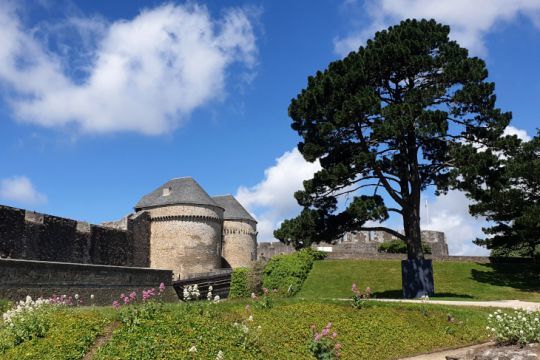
{"points": [[271, 200], [20, 190], [520, 133], [470, 21], [144, 75]]}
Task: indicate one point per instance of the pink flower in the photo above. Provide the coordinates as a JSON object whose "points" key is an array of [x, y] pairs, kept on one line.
{"points": [[317, 337], [126, 300], [338, 346], [133, 295], [253, 296], [334, 335], [265, 291], [122, 295], [116, 305], [161, 287], [324, 332], [329, 325]]}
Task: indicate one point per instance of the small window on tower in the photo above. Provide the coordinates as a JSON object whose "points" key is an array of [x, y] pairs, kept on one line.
{"points": [[166, 191]]}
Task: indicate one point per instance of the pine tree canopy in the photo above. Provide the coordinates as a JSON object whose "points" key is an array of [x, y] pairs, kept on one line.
{"points": [[394, 118]]}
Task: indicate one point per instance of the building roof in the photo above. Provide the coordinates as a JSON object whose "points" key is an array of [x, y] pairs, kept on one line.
{"points": [[175, 192], [233, 209]]}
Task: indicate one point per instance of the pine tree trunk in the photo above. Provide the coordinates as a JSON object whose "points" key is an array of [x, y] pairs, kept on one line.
{"points": [[411, 222]]}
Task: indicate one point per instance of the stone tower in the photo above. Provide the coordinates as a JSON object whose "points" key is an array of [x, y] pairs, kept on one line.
{"points": [[239, 233], [185, 227]]}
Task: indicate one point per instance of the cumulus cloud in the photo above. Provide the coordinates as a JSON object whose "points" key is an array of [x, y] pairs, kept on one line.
{"points": [[20, 190], [143, 75], [271, 200], [470, 21], [520, 133]]}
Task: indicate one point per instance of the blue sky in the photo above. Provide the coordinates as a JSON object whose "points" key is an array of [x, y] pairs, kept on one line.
{"points": [[101, 102]]}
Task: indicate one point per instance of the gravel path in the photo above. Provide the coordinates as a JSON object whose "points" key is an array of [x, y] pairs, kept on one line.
{"points": [[512, 304]]}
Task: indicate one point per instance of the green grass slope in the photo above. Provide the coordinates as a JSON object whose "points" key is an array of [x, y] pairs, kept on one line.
{"points": [[453, 280]]}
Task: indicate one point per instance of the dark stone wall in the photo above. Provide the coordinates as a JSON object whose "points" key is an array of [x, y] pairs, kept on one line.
{"points": [[139, 231], [33, 236], [109, 246], [44, 279], [11, 230]]}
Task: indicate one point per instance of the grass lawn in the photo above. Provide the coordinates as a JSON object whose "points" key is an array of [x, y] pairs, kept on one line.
{"points": [[453, 280], [378, 331]]}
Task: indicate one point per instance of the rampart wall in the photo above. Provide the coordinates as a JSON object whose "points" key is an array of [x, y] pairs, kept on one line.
{"points": [[33, 236], [44, 279]]}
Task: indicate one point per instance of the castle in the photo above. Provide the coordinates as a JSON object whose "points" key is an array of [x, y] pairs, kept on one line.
{"points": [[178, 227]]}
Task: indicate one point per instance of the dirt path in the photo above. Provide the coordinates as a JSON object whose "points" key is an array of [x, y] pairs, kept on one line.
{"points": [[101, 340]]}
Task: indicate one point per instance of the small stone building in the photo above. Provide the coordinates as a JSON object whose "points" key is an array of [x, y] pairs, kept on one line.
{"points": [[239, 233]]}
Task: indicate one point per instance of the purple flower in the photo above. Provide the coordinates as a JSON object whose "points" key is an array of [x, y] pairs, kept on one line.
{"points": [[161, 287], [116, 305]]}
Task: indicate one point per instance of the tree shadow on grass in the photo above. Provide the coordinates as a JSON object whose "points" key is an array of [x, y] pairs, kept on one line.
{"points": [[398, 294], [525, 277]]}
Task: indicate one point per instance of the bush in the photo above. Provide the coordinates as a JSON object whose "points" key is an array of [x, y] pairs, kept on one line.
{"points": [[287, 273], [5, 305], [519, 327], [399, 247], [240, 283]]}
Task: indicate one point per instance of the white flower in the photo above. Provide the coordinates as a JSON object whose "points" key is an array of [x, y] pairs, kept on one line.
{"points": [[210, 288], [216, 298], [91, 296], [220, 355], [250, 318], [193, 349], [76, 296]]}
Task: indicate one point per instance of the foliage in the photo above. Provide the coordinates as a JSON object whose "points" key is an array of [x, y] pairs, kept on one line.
{"points": [[509, 196], [240, 286], [287, 273], [519, 327], [399, 247], [398, 116], [383, 331], [134, 311], [29, 319], [324, 345], [70, 335], [5, 305], [458, 280], [359, 299], [264, 301]]}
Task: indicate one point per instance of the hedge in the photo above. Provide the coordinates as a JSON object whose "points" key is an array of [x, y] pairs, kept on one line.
{"points": [[399, 247], [240, 283], [286, 273]]}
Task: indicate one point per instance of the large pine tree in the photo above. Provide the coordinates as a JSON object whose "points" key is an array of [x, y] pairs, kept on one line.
{"points": [[390, 118]]}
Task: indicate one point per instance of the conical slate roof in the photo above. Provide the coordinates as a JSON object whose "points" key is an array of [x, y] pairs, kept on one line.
{"points": [[233, 209], [175, 192]]}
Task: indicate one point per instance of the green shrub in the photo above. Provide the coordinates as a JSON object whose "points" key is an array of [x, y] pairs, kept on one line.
{"points": [[518, 327], [240, 283], [5, 305], [287, 273], [399, 247]]}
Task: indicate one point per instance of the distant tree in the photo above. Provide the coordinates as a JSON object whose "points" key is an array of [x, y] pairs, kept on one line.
{"points": [[508, 195], [391, 118]]}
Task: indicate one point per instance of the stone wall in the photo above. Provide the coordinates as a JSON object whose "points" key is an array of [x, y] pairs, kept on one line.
{"points": [[44, 279], [34, 236], [239, 242], [266, 250], [186, 238]]}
